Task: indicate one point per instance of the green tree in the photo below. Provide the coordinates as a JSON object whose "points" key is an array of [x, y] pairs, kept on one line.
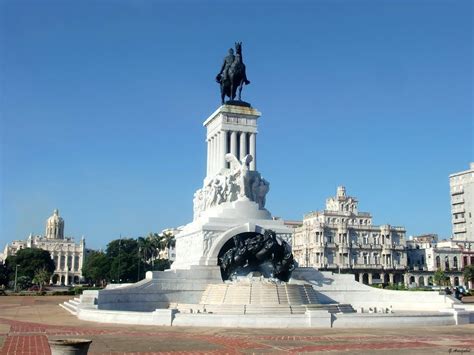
{"points": [[468, 274], [439, 277], [161, 265], [126, 264], [96, 268], [167, 240], [29, 261], [3, 275], [22, 283], [148, 247], [41, 278]]}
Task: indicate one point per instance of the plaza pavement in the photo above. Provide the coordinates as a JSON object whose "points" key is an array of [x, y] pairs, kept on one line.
{"points": [[26, 323]]}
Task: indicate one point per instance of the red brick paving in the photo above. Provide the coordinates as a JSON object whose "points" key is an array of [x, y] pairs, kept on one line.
{"points": [[26, 344], [31, 338], [21, 336]]}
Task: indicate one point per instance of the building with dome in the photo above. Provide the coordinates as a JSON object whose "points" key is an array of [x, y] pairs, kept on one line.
{"points": [[67, 255]]}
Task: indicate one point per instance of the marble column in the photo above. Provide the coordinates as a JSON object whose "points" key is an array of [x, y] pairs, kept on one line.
{"points": [[370, 278], [243, 145], [390, 278], [213, 155], [210, 156], [59, 261], [233, 143], [208, 170], [253, 151], [223, 149], [66, 263]]}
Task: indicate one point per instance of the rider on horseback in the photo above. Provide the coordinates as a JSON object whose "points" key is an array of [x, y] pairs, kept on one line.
{"points": [[224, 73], [232, 76]]}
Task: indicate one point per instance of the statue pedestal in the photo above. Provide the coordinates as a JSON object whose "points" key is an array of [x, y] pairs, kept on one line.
{"points": [[232, 199], [200, 242]]}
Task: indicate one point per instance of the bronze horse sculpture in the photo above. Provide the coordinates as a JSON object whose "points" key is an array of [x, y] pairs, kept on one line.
{"points": [[232, 76]]}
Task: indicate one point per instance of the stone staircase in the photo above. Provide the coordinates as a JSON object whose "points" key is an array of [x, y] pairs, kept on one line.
{"points": [[71, 305], [87, 300], [259, 293], [259, 297]]}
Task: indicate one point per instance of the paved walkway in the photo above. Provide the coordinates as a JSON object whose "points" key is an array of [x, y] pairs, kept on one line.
{"points": [[26, 323]]}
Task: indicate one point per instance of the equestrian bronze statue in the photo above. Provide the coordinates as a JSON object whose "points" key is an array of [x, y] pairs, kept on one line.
{"points": [[232, 76]]}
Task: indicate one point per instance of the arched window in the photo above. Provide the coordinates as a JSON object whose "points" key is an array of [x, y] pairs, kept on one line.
{"points": [[446, 262], [438, 262], [455, 263], [421, 281]]}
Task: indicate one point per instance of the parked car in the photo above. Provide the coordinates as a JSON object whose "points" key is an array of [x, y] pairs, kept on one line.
{"points": [[34, 288]]}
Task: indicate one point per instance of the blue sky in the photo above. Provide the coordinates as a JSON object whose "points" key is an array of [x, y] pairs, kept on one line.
{"points": [[102, 104]]}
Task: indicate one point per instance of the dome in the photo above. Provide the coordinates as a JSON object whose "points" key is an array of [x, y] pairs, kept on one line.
{"points": [[55, 226]]}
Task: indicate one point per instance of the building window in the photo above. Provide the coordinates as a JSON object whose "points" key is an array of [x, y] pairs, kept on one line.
{"points": [[366, 259], [446, 262], [455, 263], [438, 262], [69, 263], [376, 258]]}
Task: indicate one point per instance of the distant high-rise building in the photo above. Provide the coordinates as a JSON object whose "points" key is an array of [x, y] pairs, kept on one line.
{"points": [[462, 204]]}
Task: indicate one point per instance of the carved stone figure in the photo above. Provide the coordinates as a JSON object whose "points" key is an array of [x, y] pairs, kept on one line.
{"points": [[236, 183], [262, 190], [232, 75]]}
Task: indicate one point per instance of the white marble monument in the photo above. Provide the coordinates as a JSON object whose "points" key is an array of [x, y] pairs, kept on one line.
{"points": [[231, 202], [232, 199]]}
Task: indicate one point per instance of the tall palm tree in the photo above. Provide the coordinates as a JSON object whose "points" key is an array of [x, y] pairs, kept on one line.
{"points": [[167, 241], [147, 249], [153, 240]]}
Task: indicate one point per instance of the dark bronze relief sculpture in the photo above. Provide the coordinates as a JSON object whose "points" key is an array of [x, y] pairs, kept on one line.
{"points": [[265, 254]]}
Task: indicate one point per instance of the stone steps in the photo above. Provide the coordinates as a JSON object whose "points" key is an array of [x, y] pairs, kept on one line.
{"points": [[87, 300], [70, 307], [259, 293]]}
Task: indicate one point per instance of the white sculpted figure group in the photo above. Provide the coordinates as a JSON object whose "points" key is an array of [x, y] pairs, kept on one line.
{"points": [[231, 185]]}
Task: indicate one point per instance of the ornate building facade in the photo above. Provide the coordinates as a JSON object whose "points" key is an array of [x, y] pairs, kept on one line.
{"points": [[426, 256], [342, 239], [67, 255]]}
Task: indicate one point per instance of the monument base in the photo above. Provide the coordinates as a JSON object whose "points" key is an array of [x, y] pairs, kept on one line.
{"points": [[200, 241], [193, 298], [237, 103]]}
